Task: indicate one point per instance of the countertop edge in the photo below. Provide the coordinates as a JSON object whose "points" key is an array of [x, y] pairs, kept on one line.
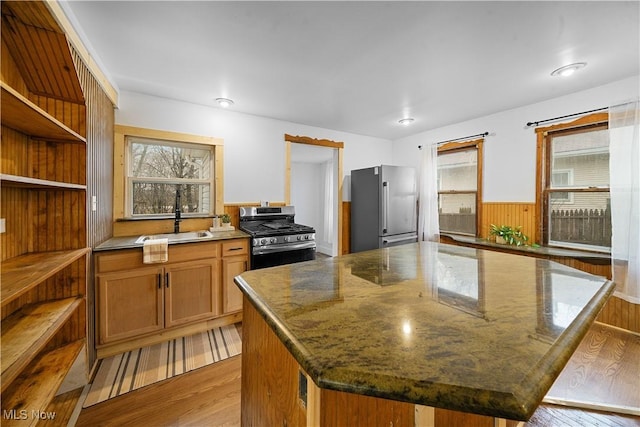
{"points": [[128, 242], [544, 374]]}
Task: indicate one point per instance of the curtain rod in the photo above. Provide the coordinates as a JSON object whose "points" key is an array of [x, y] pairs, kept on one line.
{"points": [[529, 124], [483, 134]]}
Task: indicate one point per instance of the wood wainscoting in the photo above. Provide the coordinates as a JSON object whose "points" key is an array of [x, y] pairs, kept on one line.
{"points": [[513, 214]]}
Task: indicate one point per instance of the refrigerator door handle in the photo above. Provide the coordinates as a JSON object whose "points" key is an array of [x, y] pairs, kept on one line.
{"points": [[385, 206]]}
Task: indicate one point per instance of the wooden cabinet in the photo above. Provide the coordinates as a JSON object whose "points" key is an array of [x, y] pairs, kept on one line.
{"points": [[44, 246], [191, 292], [135, 299], [196, 285], [235, 261], [130, 303], [148, 299]]}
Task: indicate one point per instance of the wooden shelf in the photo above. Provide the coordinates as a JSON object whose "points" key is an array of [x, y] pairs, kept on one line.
{"points": [[22, 273], [26, 332], [24, 181], [38, 384], [23, 115]]}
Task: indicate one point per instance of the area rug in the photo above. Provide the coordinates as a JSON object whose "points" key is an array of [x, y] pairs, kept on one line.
{"points": [[130, 371]]}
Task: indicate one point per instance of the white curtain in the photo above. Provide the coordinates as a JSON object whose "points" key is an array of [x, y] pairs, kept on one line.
{"points": [[328, 202], [428, 223], [624, 166]]}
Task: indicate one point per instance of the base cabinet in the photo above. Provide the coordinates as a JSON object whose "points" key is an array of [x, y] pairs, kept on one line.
{"points": [[137, 300], [191, 292], [130, 304]]}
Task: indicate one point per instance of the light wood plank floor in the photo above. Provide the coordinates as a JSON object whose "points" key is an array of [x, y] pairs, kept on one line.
{"points": [[210, 396]]}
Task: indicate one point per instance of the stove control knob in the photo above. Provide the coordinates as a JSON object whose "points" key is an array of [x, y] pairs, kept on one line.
{"points": [[286, 238], [273, 240], [306, 237], [263, 241], [299, 237]]}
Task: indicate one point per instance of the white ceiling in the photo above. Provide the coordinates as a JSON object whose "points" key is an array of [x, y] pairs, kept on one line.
{"points": [[361, 66]]}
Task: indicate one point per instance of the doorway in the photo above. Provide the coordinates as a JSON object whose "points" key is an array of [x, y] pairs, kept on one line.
{"points": [[314, 187]]}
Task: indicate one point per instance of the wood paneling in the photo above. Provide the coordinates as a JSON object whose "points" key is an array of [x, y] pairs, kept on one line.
{"points": [[347, 409], [269, 376], [346, 227], [49, 71], [622, 314], [98, 170], [513, 214]]}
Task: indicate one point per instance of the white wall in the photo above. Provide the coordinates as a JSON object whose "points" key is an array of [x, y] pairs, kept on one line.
{"points": [[307, 194], [254, 154], [509, 156]]}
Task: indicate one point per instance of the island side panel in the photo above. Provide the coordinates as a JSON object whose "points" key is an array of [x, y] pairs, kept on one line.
{"points": [[270, 374]]}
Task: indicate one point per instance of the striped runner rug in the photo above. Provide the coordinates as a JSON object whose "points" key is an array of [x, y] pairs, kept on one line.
{"points": [[130, 371]]}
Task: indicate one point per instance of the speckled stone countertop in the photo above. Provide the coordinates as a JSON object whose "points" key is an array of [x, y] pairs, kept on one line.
{"points": [[129, 242], [433, 324]]}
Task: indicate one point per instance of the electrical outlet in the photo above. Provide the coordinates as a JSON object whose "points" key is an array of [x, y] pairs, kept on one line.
{"points": [[2, 225], [94, 203]]}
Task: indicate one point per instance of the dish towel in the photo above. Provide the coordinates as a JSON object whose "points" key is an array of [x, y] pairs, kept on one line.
{"points": [[155, 250]]}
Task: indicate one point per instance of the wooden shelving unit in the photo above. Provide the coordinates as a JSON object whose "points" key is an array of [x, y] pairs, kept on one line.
{"points": [[44, 258], [23, 273], [21, 114], [23, 181], [26, 332], [38, 383]]}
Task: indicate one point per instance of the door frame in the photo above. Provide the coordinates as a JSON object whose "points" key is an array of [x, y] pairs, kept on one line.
{"points": [[290, 139]]}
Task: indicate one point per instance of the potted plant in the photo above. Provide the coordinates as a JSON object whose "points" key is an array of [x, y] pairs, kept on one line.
{"points": [[506, 234], [226, 219]]}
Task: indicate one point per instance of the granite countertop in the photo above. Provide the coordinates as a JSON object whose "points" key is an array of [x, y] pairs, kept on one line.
{"points": [[433, 324], [129, 242]]}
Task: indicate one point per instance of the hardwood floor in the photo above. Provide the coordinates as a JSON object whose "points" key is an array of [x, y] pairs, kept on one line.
{"points": [[210, 396]]}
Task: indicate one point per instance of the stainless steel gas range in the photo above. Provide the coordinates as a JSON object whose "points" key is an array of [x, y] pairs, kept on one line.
{"points": [[275, 238]]}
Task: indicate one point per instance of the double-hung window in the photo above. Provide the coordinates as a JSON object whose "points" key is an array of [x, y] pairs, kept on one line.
{"points": [[575, 203], [159, 173], [459, 187]]}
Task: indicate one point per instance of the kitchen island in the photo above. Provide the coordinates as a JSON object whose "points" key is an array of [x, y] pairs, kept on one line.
{"points": [[422, 334]]}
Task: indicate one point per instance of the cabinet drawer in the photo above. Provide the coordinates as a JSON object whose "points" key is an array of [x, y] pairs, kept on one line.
{"points": [[126, 259], [235, 247]]}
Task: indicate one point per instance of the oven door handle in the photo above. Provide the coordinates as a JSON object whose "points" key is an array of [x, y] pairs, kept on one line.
{"points": [[261, 250]]}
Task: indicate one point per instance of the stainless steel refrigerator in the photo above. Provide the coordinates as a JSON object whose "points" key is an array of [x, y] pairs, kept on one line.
{"points": [[383, 207]]}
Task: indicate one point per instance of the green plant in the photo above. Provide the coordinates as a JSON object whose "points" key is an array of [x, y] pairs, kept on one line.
{"points": [[511, 235], [225, 218]]}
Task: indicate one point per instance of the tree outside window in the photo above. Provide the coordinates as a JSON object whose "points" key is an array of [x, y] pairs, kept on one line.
{"points": [[158, 169]]}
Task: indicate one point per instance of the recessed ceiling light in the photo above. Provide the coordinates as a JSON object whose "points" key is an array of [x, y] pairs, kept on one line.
{"points": [[224, 102], [406, 121], [567, 70]]}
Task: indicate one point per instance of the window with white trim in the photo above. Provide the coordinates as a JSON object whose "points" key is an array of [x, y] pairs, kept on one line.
{"points": [[157, 171]]}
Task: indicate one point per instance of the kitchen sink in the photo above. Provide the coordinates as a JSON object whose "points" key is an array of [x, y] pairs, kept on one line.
{"points": [[177, 237]]}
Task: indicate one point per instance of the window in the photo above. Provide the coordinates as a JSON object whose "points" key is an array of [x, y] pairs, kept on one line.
{"points": [[575, 203], [458, 187], [561, 178], [158, 172]]}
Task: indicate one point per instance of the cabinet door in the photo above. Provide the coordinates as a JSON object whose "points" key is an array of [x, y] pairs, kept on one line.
{"points": [[129, 303], [231, 294], [191, 291]]}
